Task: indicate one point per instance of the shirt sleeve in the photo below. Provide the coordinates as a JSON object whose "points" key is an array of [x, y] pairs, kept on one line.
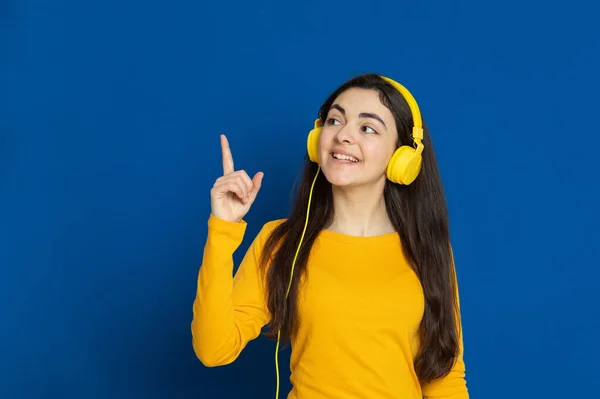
{"points": [[228, 311], [453, 385]]}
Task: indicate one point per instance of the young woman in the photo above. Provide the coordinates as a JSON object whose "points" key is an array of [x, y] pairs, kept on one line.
{"points": [[360, 277]]}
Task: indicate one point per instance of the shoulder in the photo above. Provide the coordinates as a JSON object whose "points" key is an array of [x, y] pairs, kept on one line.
{"points": [[269, 226], [272, 224], [265, 232], [261, 239]]}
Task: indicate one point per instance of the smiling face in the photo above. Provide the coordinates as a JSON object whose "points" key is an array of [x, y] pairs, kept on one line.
{"points": [[357, 139]]}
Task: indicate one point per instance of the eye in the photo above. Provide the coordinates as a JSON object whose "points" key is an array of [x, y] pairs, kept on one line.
{"points": [[370, 130], [332, 121]]}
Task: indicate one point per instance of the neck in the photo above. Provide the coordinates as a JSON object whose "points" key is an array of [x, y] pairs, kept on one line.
{"points": [[360, 211]]}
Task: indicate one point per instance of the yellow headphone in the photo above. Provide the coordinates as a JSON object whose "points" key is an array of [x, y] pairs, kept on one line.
{"points": [[405, 164], [403, 168]]}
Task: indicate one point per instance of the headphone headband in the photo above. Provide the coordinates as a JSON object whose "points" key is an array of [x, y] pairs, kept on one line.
{"points": [[414, 108]]}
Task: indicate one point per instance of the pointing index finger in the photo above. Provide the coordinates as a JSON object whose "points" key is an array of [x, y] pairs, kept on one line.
{"points": [[226, 156]]}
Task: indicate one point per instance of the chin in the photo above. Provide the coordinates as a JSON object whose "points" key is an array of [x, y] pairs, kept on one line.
{"points": [[351, 179], [340, 181], [341, 177]]}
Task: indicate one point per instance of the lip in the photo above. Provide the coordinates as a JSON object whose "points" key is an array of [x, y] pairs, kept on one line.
{"points": [[343, 152]]}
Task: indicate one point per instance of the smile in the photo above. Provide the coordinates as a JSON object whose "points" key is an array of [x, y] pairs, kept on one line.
{"points": [[344, 158]]}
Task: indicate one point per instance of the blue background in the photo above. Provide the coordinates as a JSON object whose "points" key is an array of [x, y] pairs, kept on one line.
{"points": [[109, 144]]}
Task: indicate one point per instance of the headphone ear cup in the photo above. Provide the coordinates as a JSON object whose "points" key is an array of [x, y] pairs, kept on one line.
{"points": [[313, 144], [404, 166]]}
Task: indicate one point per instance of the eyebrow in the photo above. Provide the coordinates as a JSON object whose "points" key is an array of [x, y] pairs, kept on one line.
{"points": [[361, 115]]}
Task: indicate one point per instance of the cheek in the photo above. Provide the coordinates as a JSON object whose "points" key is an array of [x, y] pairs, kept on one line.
{"points": [[378, 154], [325, 139]]}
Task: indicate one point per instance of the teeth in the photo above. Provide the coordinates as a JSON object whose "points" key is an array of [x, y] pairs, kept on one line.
{"points": [[344, 157]]}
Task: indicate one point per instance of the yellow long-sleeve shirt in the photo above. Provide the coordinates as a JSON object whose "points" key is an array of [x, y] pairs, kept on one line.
{"points": [[359, 312]]}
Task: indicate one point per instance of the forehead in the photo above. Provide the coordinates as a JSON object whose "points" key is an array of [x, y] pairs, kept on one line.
{"points": [[356, 100]]}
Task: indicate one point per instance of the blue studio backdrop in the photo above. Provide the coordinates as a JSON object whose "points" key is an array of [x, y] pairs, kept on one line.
{"points": [[109, 144]]}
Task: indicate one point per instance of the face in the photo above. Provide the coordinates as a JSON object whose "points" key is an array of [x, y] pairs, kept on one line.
{"points": [[357, 139]]}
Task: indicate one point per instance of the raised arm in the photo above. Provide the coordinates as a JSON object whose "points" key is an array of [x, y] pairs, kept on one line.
{"points": [[228, 310]]}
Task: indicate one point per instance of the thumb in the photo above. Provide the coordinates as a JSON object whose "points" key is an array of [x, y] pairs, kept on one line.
{"points": [[256, 183]]}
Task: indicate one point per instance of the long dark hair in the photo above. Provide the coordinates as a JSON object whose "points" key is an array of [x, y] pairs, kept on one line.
{"points": [[419, 215]]}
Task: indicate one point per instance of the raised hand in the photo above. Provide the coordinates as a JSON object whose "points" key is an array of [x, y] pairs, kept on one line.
{"points": [[233, 193]]}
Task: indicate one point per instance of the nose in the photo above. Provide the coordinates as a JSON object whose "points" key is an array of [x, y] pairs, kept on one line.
{"points": [[345, 135]]}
